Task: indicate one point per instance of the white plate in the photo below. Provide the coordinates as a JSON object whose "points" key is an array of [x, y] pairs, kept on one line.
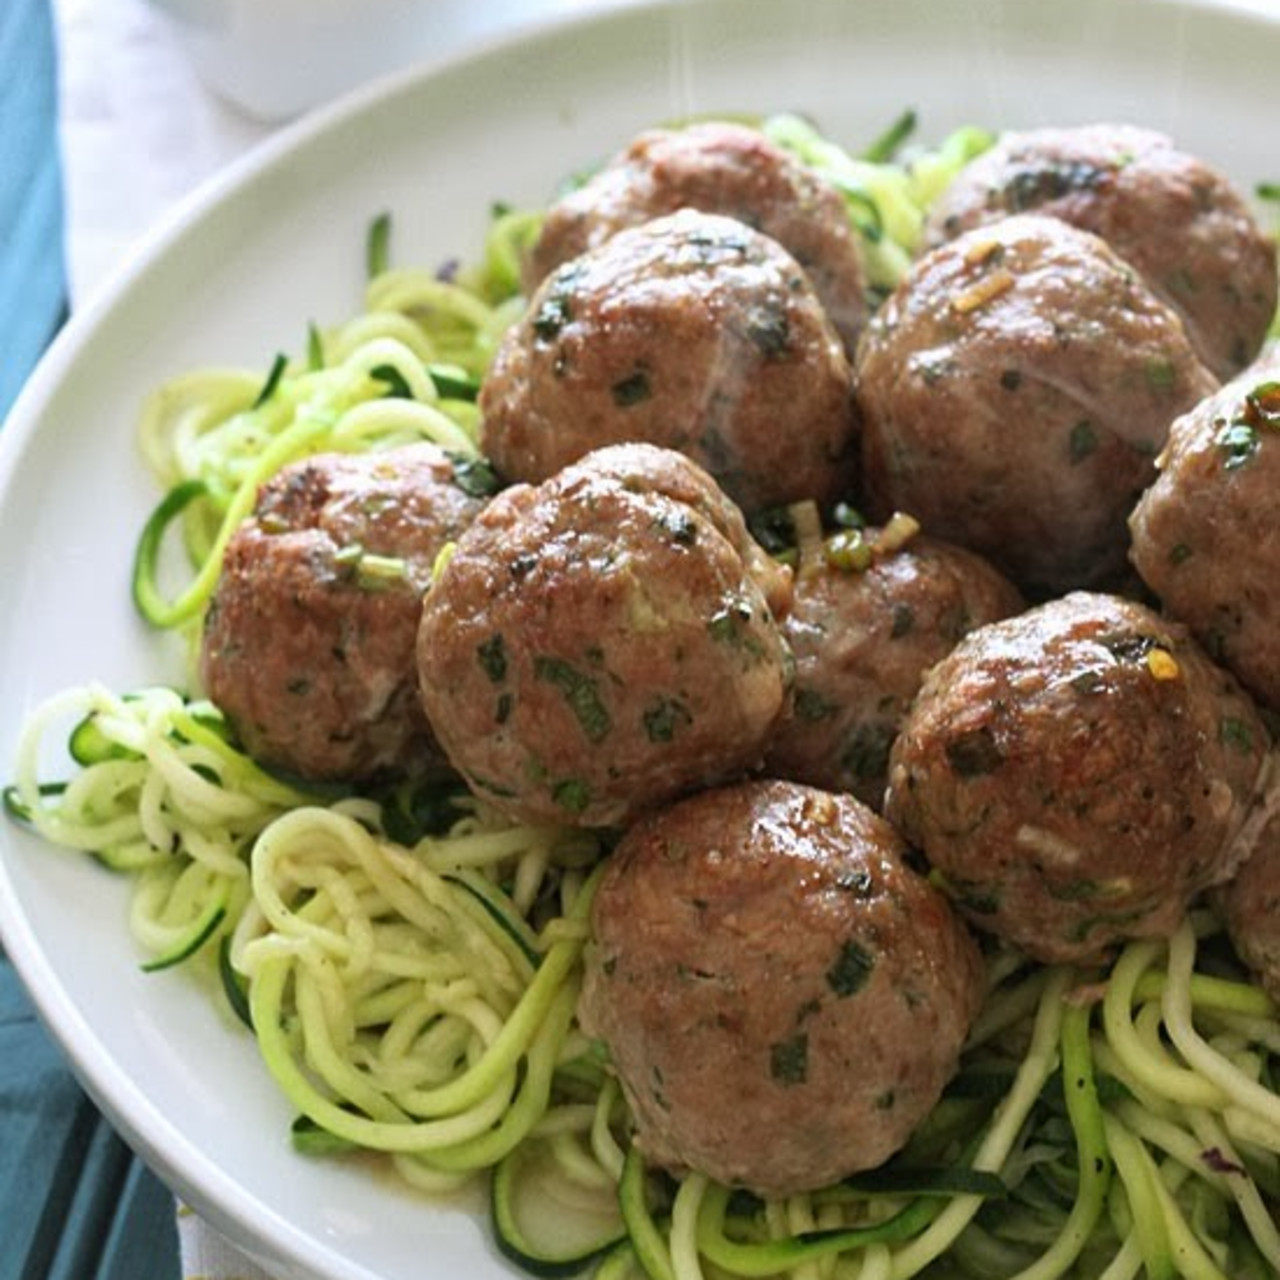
{"points": [[280, 244]]}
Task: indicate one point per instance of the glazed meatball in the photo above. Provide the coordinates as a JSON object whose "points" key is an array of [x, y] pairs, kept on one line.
{"points": [[600, 643], [692, 332], [309, 641], [718, 167], [862, 639], [1204, 534], [1015, 390], [1177, 221], [783, 998], [1076, 774]]}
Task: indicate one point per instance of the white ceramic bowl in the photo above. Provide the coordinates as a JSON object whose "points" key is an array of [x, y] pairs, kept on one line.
{"points": [[278, 243]]}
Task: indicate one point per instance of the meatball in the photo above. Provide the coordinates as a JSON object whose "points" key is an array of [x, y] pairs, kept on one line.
{"points": [[1250, 905], [862, 639], [1176, 220], [718, 167], [1076, 774], [1015, 390], [309, 641], [783, 998], [602, 643], [692, 332], [1204, 534]]}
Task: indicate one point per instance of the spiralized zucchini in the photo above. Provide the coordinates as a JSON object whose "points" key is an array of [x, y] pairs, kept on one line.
{"points": [[405, 369], [409, 962]]}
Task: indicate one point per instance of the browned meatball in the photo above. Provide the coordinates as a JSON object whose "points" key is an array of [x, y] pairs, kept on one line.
{"points": [[783, 998], [718, 167], [1077, 774], [309, 640], [1015, 391], [862, 639], [1178, 221], [1204, 535], [601, 643], [1250, 905], [693, 332]]}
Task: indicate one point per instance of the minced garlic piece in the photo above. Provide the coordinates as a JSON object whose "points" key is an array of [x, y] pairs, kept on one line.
{"points": [[986, 290]]}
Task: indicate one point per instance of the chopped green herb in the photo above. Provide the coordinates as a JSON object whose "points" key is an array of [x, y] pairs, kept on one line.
{"points": [[789, 1060], [1162, 374], [664, 718], [315, 348], [811, 706], [851, 970], [980, 899], [580, 693], [1011, 379], [1088, 682], [632, 390], [374, 572], [848, 551], [769, 331], [885, 147], [680, 525], [974, 753], [774, 528], [1237, 442], [1262, 405], [474, 476], [572, 795], [377, 245], [866, 754], [1235, 733], [1030, 187], [551, 317], [272, 383], [904, 621], [453, 382], [1083, 441], [1180, 553], [1128, 646], [846, 516], [728, 626], [397, 384], [492, 655]]}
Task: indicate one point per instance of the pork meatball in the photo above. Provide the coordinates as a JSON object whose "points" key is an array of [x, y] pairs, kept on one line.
{"points": [[600, 643], [863, 633], [693, 332], [783, 998], [1076, 774], [1015, 390], [718, 167], [309, 641], [1179, 222], [1204, 534]]}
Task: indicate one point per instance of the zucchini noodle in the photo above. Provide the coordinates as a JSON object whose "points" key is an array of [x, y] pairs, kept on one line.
{"points": [[409, 962], [406, 369]]}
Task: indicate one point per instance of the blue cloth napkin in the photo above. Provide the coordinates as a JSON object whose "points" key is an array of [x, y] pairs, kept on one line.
{"points": [[75, 1204], [32, 278]]}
